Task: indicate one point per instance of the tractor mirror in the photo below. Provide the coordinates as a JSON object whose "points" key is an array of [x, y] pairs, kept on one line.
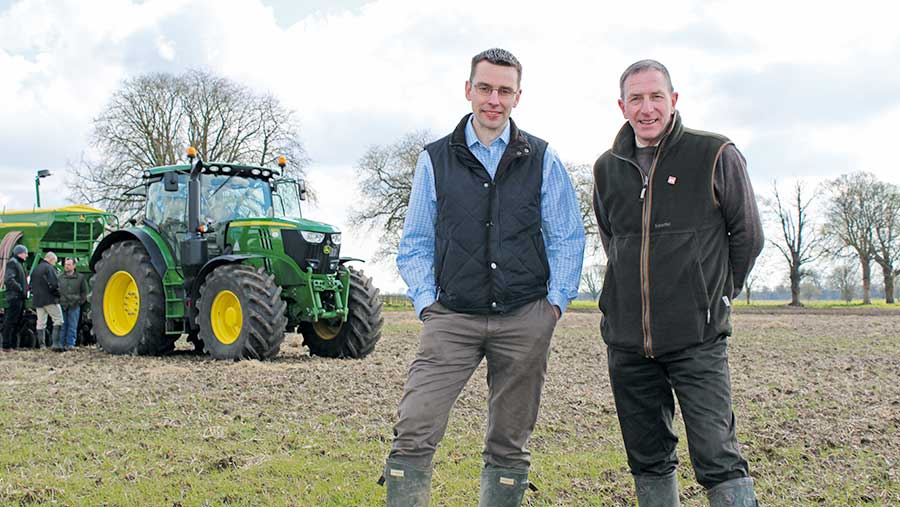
{"points": [[301, 189], [170, 181]]}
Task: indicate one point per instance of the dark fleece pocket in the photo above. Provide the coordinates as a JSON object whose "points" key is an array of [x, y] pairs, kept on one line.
{"points": [[620, 298], [679, 301]]}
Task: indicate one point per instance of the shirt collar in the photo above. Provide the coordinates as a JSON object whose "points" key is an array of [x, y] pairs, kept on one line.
{"points": [[472, 137]]}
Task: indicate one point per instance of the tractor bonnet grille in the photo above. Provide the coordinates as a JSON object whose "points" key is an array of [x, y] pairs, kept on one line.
{"points": [[307, 254]]}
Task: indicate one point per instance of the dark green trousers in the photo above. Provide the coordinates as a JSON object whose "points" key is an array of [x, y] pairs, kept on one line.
{"points": [[699, 377]]}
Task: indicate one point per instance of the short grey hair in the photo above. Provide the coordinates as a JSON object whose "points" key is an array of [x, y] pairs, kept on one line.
{"points": [[50, 257], [642, 66], [497, 56]]}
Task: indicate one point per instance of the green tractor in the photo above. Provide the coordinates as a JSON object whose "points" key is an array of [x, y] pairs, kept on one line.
{"points": [[223, 255]]}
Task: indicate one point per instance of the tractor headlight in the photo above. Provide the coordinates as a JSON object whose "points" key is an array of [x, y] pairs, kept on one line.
{"points": [[313, 237], [336, 238]]}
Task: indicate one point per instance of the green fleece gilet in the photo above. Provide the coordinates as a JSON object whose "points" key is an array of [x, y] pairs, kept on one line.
{"points": [[668, 277]]}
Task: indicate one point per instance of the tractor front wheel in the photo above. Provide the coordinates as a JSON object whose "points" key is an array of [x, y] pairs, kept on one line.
{"points": [[194, 339], [241, 314], [355, 338], [128, 304]]}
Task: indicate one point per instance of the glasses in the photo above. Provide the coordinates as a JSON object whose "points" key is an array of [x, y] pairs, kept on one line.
{"points": [[486, 90]]}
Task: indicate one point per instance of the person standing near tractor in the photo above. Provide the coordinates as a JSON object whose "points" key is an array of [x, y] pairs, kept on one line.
{"points": [[681, 229], [16, 286], [73, 292], [45, 299], [491, 251]]}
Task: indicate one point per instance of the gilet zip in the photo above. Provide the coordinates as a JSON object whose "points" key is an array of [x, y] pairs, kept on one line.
{"points": [[647, 200]]}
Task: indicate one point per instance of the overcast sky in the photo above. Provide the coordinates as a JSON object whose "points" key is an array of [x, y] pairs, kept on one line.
{"points": [[804, 91]]}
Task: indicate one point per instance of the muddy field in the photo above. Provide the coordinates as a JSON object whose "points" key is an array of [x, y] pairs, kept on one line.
{"points": [[817, 399]]}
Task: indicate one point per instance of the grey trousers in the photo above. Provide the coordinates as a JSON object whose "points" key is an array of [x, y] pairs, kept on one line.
{"points": [[516, 346], [699, 376]]}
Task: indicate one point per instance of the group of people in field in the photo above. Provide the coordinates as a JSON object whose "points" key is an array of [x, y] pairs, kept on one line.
{"points": [[53, 295], [492, 249]]}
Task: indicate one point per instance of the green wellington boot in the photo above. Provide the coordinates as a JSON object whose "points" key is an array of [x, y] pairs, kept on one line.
{"points": [[56, 339], [657, 491], [502, 487], [733, 493], [407, 486]]}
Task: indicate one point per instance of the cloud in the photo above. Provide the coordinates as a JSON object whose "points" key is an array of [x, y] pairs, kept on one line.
{"points": [[805, 91], [288, 12], [809, 94], [776, 154], [356, 135]]}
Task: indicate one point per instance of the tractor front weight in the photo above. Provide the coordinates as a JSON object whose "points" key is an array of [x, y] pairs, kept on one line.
{"points": [[321, 297]]}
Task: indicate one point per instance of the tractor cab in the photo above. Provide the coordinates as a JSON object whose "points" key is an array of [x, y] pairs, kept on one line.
{"points": [[227, 192], [287, 197]]}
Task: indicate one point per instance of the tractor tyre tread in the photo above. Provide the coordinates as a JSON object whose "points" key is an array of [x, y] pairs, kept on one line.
{"points": [[265, 315]]}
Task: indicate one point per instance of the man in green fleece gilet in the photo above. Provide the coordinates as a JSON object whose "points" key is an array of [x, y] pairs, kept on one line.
{"points": [[681, 229]]}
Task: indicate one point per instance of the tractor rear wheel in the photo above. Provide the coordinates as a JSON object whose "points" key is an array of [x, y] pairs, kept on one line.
{"points": [[128, 303], [355, 338], [241, 314]]}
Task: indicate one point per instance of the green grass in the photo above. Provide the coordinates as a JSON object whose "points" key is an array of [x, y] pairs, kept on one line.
{"points": [[582, 304], [856, 303], [815, 399]]}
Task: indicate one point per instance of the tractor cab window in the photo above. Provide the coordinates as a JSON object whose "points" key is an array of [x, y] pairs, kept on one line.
{"points": [[287, 199], [168, 209], [225, 197]]}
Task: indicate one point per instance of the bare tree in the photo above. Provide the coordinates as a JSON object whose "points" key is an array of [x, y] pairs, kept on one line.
{"points": [[151, 119], [583, 180], [750, 281], [886, 240], [386, 182], [279, 135], [844, 278], [762, 271], [850, 216], [592, 279], [811, 285], [797, 240]]}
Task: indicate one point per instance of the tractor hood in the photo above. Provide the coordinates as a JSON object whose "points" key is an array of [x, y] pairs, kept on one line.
{"points": [[300, 224]]}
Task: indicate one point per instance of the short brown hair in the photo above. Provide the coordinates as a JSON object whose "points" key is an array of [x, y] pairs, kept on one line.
{"points": [[497, 56]]}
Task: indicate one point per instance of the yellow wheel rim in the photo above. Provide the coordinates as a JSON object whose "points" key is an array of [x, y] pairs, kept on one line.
{"points": [[326, 331], [121, 303], [226, 317]]}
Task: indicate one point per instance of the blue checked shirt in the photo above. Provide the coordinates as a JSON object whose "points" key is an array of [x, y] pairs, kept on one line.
{"points": [[560, 222]]}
